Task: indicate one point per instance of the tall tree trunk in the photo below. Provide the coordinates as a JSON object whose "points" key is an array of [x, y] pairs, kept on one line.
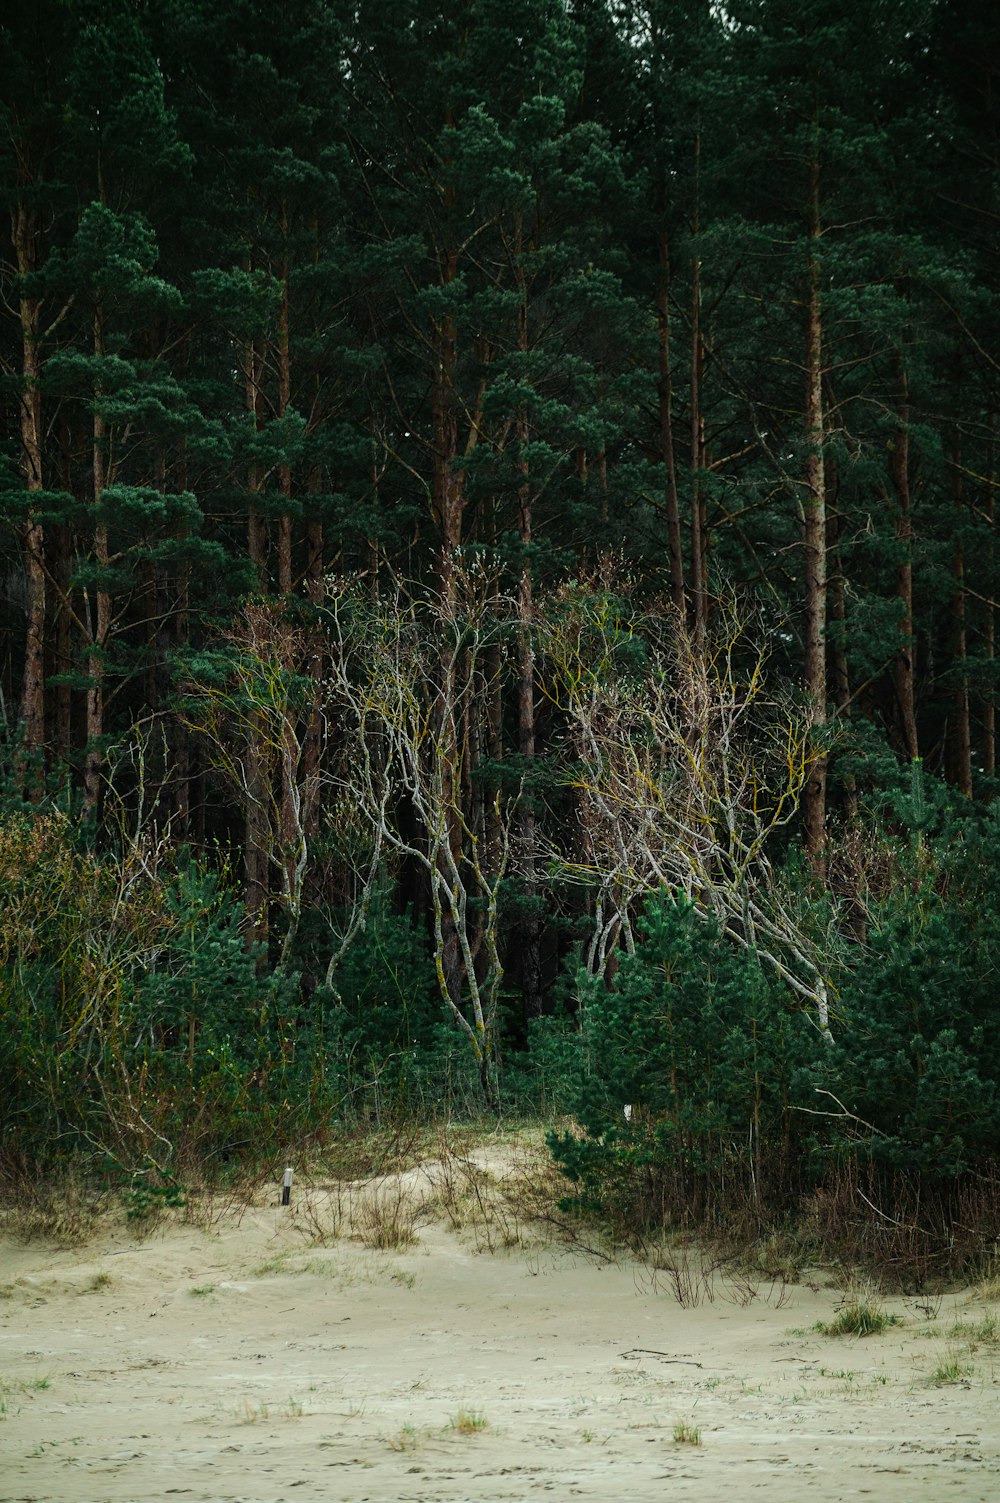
{"points": [[257, 886], [905, 674], [285, 577], [25, 233], [99, 610], [962, 731], [447, 486], [988, 709], [158, 762], [257, 529], [699, 594], [62, 650], [840, 686], [178, 733], [531, 967], [448, 499], [61, 573], [290, 808], [814, 541], [312, 750], [846, 884], [665, 394]]}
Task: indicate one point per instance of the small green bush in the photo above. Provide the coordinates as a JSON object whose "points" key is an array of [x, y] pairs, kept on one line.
{"points": [[707, 1051]]}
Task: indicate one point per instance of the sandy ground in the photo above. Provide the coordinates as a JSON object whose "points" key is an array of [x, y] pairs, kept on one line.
{"points": [[244, 1360]]}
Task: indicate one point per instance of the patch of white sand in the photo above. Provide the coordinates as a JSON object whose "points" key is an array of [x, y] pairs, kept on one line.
{"points": [[245, 1365]]}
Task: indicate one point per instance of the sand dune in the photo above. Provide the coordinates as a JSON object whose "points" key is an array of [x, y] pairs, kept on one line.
{"points": [[247, 1362]]}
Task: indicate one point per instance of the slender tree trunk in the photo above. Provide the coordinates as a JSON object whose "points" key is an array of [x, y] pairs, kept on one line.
{"points": [[814, 542], [62, 710], [905, 675], [493, 714], [840, 686], [699, 594], [988, 708], [674, 542], [26, 239], [180, 736], [447, 487], [285, 567], [988, 704], [290, 814], [257, 529], [531, 967], [847, 885], [257, 886], [312, 750], [448, 498], [962, 733], [100, 610], [159, 761]]}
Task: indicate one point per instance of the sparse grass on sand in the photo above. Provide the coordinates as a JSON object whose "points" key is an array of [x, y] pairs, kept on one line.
{"points": [[406, 1438], [861, 1314], [468, 1422], [951, 1369]]}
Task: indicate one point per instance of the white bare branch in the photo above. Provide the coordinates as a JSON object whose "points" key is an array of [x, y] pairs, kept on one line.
{"points": [[684, 766]]}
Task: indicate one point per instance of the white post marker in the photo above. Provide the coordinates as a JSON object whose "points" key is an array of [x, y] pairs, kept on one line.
{"points": [[286, 1188], [628, 1113]]}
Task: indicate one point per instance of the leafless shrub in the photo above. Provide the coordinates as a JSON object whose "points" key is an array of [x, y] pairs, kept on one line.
{"points": [[208, 1202], [684, 771], [917, 1235], [409, 681], [386, 1218]]}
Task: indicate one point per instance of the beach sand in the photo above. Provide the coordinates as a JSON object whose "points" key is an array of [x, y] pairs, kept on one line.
{"points": [[242, 1359]]}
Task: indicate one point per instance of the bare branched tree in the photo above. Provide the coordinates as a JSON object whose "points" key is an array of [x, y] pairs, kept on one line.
{"points": [[685, 766], [411, 678], [257, 704]]}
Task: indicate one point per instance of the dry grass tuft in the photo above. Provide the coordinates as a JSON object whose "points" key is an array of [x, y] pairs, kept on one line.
{"points": [[66, 1211], [862, 1313], [468, 1422], [386, 1222]]}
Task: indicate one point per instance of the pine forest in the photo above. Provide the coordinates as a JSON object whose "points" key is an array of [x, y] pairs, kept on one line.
{"points": [[498, 515]]}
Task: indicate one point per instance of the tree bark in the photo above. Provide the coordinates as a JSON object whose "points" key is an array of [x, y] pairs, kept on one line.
{"points": [[448, 499], [25, 233], [180, 736], [312, 750], [285, 571], [531, 968], [99, 611], [904, 572], [61, 571], [257, 529], [257, 887], [699, 596], [814, 542], [665, 393], [288, 819], [840, 686], [962, 732], [989, 713]]}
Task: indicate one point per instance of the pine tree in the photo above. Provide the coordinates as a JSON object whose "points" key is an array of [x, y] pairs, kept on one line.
{"points": [[494, 310]]}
